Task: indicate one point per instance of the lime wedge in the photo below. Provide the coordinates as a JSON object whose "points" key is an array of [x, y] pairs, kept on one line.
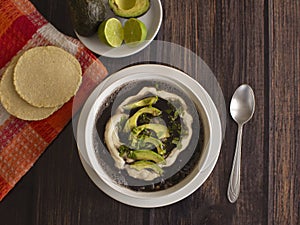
{"points": [[111, 32], [135, 31]]}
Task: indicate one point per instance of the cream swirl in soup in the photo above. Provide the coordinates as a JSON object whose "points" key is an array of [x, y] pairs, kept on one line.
{"points": [[148, 131]]}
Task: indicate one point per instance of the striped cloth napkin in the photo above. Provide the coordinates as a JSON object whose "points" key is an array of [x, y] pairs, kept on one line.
{"points": [[21, 142]]}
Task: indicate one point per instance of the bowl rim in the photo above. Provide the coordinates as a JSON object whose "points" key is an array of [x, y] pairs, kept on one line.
{"points": [[214, 126], [89, 128]]}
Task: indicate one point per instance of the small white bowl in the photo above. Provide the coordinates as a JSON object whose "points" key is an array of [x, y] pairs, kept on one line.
{"points": [[211, 147], [152, 19]]}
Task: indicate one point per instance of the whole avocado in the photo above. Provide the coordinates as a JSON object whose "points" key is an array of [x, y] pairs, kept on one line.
{"points": [[129, 8], [86, 15]]}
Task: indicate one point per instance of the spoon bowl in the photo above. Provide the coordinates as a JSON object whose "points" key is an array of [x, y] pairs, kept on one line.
{"points": [[242, 107]]}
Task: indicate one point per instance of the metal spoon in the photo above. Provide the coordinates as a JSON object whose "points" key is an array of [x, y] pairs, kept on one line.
{"points": [[242, 107]]}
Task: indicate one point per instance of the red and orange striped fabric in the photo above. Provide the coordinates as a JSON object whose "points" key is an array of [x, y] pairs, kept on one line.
{"points": [[21, 142]]}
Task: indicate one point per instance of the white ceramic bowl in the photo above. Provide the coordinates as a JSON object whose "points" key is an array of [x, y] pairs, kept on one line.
{"points": [[211, 146], [152, 19]]}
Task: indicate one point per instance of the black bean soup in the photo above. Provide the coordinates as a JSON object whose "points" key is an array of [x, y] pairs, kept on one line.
{"points": [[186, 160]]}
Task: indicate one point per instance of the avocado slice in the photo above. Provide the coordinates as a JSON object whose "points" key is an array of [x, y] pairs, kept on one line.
{"points": [[129, 8], [140, 142], [157, 143], [160, 130], [86, 15], [140, 165], [132, 121], [144, 102], [146, 155]]}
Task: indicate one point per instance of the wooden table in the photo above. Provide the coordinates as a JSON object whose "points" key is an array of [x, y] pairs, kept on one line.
{"points": [[254, 42]]}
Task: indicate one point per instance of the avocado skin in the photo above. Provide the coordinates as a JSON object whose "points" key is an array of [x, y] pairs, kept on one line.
{"points": [[139, 12], [86, 15]]}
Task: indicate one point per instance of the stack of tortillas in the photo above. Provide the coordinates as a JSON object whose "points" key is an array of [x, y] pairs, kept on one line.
{"points": [[39, 82]]}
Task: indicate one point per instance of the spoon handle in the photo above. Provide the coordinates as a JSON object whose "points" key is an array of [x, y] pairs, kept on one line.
{"points": [[234, 180]]}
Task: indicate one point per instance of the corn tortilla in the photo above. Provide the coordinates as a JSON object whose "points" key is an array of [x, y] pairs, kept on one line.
{"points": [[14, 104], [47, 76]]}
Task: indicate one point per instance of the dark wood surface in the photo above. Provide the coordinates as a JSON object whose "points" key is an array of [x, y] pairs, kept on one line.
{"points": [[254, 42]]}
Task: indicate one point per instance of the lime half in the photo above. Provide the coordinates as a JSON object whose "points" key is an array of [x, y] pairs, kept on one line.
{"points": [[111, 32], [135, 31]]}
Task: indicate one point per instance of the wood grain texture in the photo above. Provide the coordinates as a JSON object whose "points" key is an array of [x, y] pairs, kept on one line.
{"points": [[229, 37], [254, 42], [284, 191]]}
